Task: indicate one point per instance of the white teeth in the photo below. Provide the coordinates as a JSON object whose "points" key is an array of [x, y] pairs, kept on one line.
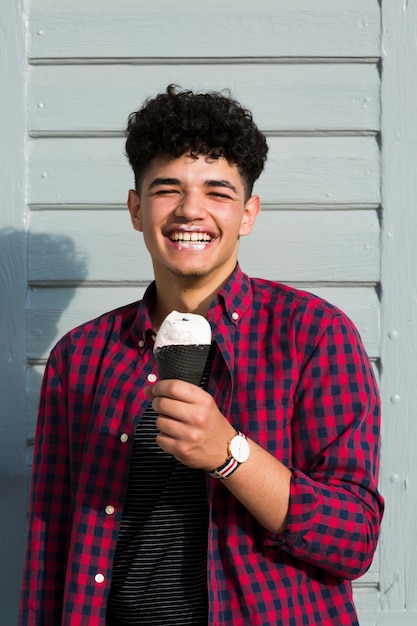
{"points": [[186, 236]]}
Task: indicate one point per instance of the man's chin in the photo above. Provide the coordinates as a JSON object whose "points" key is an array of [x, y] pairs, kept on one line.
{"points": [[189, 273]]}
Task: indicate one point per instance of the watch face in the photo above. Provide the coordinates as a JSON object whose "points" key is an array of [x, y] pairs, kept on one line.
{"points": [[239, 448]]}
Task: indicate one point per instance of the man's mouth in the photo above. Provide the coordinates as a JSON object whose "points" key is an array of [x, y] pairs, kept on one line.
{"points": [[192, 237]]}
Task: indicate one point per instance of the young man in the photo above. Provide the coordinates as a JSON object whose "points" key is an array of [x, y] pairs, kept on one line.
{"points": [[132, 518]]}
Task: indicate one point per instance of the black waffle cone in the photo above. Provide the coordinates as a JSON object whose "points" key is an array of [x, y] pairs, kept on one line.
{"points": [[183, 362]]}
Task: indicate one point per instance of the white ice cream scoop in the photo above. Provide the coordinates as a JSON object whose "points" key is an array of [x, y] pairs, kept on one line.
{"points": [[187, 329]]}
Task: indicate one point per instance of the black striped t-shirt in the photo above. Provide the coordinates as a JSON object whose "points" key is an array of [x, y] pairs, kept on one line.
{"points": [[160, 571]]}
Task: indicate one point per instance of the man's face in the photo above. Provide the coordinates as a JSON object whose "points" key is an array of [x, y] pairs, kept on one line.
{"points": [[192, 211]]}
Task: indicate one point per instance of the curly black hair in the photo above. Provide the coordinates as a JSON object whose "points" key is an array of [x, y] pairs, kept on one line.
{"points": [[178, 122]]}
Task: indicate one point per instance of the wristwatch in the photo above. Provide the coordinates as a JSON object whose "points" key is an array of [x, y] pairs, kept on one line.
{"points": [[237, 452]]}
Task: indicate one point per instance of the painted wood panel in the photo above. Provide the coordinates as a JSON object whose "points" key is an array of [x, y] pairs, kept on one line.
{"points": [[296, 246], [53, 311], [399, 312], [302, 67], [282, 97], [299, 170], [221, 28], [135, 53], [12, 301]]}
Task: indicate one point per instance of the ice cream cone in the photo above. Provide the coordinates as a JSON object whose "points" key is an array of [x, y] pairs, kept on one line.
{"points": [[182, 346], [183, 362]]}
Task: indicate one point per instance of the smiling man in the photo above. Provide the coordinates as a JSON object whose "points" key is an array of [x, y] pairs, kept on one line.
{"points": [[249, 500]]}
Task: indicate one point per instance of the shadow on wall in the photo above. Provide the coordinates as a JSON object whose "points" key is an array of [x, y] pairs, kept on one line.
{"points": [[56, 269], [29, 316]]}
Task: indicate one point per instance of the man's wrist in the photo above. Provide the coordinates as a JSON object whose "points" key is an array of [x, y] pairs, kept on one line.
{"points": [[238, 452]]}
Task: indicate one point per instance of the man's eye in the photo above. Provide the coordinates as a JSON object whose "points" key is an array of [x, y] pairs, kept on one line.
{"points": [[164, 192], [218, 194]]}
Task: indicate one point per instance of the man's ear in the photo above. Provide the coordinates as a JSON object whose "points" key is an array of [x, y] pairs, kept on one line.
{"points": [[133, 204], [252, 208]]}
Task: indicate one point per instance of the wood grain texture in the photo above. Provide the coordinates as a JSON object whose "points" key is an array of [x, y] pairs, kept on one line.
{"points": [[282, 97], [299, 170], [221, 28], [296, 246]]}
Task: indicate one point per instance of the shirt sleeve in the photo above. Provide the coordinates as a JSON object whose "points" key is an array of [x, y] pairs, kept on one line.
{"points": [[50, 507], [335, 508]]}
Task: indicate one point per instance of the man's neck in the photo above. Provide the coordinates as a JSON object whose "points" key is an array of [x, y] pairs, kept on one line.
{"points": [[186, 296]]}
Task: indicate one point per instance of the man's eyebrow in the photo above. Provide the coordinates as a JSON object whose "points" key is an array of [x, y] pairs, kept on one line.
{"points": [[163, 181], [220, 183], [207, 183]]}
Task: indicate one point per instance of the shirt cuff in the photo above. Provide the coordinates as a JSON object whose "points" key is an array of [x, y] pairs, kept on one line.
{"points": [[302, 511]]}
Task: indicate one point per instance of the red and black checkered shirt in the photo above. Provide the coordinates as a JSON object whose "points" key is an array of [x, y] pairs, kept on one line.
{"points": [[290, 372]]}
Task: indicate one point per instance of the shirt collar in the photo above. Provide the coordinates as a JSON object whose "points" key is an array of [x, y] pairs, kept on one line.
{"points": [[142, 328], [234, 299]]}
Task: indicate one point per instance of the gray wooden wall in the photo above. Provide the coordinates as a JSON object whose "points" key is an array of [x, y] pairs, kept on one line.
{"points": [[342, 137]]}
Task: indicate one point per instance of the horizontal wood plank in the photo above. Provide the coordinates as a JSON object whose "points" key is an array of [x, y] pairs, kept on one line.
{"points": [[34, 375], [54, 311], [301, 97], [299, 170], [286, 245], [221, 28], [303, 245]]}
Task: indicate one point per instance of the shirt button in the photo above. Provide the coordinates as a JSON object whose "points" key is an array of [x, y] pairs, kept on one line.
{"points": [[235, 315], [152, 378], [141, 343], [99, 578], [124, 437], [109, 509]]}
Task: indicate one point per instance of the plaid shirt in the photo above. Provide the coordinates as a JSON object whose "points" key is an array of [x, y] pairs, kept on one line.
{"points": [[291, 373]]}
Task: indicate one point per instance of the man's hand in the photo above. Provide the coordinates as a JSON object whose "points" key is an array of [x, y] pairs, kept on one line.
{"points": [[191, 427], [194, 431]]}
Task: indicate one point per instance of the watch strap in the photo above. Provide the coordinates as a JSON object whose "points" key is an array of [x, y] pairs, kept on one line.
{"points": [[225, 470]]}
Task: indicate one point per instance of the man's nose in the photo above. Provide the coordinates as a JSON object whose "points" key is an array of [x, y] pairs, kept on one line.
{"points": [[191, 206]]}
